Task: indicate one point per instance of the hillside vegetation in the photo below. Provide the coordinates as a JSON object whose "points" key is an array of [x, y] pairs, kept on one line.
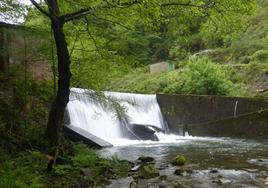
{"points": [[235, 67]]}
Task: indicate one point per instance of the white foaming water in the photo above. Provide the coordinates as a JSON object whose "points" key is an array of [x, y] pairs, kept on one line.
{"points": [[164, 139], [141, 109], [89, 116]]}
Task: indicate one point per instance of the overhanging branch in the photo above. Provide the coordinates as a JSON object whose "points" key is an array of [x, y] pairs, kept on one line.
{"points": [[187, 4], [41, 9], [84, 12], [76, 15]]}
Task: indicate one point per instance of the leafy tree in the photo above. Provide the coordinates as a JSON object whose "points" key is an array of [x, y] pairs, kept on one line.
{"points": [[11, 11]]}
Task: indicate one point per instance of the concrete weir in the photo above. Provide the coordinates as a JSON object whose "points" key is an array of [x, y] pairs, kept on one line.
{"points": [[79, 135], [250, 125], [214, 115]]}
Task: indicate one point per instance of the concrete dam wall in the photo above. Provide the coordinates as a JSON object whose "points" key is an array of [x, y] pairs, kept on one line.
{"points": [[198, 114]]}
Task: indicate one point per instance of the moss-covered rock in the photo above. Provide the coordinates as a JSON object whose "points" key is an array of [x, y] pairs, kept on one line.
{"points": [[179, 160], [148, 171], [179, 172], [146, 159]]}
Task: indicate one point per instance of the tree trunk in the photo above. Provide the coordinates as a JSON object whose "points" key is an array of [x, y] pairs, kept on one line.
{"points": [[57, 110]]}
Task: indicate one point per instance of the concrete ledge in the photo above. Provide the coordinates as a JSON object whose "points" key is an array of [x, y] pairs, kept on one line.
{"points": [[182, 110], [79, 135], [251, 125]]}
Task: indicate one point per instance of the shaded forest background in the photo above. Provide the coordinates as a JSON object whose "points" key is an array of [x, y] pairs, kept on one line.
{"points": [[111, 54]]}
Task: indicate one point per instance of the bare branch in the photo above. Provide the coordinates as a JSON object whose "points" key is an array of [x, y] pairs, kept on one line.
{"points": [[188, 4], [128, 4], [93, 39], [77, 15], [73, 47]]}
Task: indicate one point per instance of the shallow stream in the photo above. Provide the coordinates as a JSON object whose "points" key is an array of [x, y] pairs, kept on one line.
{"points": [[212, 162]]}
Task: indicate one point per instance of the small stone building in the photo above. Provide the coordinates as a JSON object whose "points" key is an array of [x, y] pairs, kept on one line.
{"points": [[24, 46], [164, 66]]}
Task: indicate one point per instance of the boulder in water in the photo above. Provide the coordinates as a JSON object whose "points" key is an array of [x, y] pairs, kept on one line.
{"points": [[146, 159], [179, 160], [144, 132], [222, 181], [148, 171], [179, 172]]}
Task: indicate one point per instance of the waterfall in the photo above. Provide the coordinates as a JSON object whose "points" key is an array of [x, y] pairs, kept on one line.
{"points": [[87, 114]]}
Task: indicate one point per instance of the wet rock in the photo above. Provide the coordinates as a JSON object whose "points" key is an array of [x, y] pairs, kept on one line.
{"points": [[252, 170], [177, 184], [123, 182], [222, 181], [213, 171], [133, 184], [162, 167], [163, 185], [179, 172], [152, 185], [163, 177], [148, 171], [141, 183], [189, 171], [146, 159], [179, 160], [136, 168], [266, 181]]}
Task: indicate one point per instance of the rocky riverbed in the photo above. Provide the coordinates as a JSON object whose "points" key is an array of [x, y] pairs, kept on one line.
{"points": [[202, 163]]}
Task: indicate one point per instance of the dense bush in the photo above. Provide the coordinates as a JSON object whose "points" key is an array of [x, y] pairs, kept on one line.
{"points": [[201, 76]]}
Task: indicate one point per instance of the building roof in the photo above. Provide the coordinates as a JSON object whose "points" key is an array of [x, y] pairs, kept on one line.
{"points": [[8, 25]]}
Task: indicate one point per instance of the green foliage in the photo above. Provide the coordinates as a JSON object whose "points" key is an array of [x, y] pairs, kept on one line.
{"points": [[84, 156], [11, 11], [201, 76], [148, 171], [198, 76], [220, 30], [252, 44], [18, 177], [62, 170], [23, 110], [23, 172], [260, 56], [110, 42]]}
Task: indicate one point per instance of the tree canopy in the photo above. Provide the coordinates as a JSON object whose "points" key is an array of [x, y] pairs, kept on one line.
{"points": [[110, 37]]}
